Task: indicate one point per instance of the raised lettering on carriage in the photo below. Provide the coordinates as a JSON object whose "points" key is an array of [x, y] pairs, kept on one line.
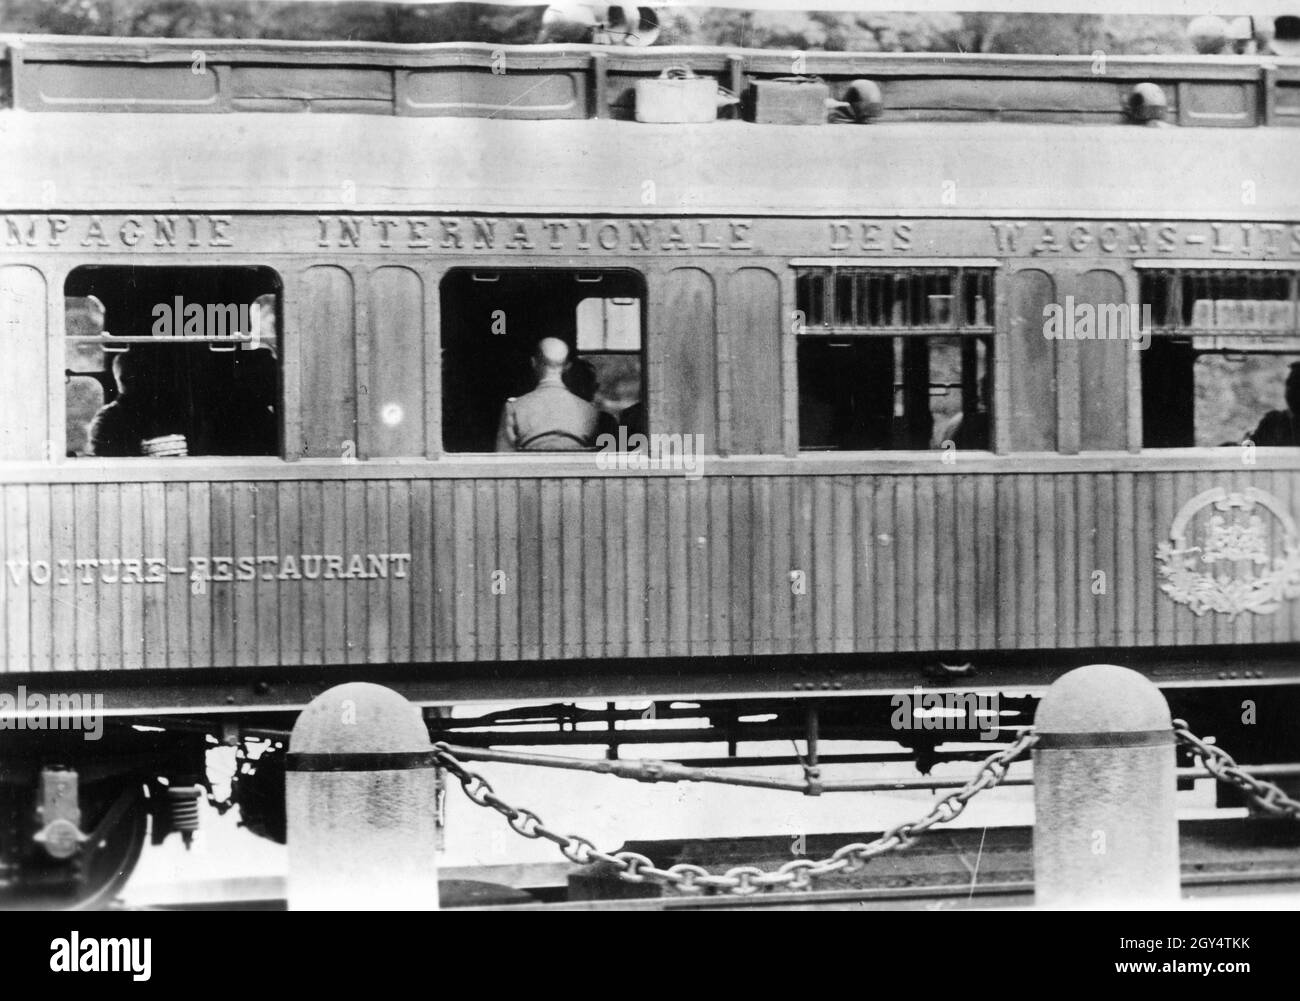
{"points": [[180, 231], [218, 569]]}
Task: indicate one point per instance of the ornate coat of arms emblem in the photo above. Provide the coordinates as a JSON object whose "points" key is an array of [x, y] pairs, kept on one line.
{"points": [[1231, 552]]}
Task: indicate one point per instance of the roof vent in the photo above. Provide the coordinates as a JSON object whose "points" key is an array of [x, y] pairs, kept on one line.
{"points": [[865, 100], [1147, 103]]}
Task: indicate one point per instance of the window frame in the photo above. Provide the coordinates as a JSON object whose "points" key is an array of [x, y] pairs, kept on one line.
{"points": [[991, 270], [1178, 271], [642, 278], [60, 357]]}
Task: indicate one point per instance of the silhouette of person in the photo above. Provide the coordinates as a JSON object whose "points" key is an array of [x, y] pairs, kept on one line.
{"points": [[1281, 428], [121, 427], [550, 418]]}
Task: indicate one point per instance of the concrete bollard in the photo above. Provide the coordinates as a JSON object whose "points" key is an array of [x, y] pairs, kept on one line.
{"points": [[1105, 820], [361, 800]]}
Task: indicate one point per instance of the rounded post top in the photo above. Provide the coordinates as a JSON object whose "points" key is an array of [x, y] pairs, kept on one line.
{"points": [[1102, 698], [359, 717]]}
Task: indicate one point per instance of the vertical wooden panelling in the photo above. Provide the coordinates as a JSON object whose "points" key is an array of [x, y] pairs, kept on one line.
{"points": [[40, 612], [592, 587], [176, 593], [313, 597], [335, 624], [379, 588], [396, 396], [987, 582], [131, 514], [155, 596], [765, 572], [1138, 533], [614, 599], [803, 625], [865, 570], [506, 597], [487, 562], [682, 350], [967, 558], [553, 582], [926, 558], [199, 589], [720, 568], [1045, 515], [1068, 549], [265, 588], [1126, 581], [821, 575], [290, 595], [843, 550], [677, 628], [754, 318], [109, 522], [244, 590], [444, 571], [601, 567], [947, 597], [571, 597], [1027, 560], [18, 623], [220, 590], [1102, 532], [356, 602], [466, 571], [1103, 368], [639, 550], [530, 569], [697, 565], [63, 594], [743, 539], [903, 542], [423, 601], [883, 565], [25, 338], [1088, 603], [1030, 366], [329, 364]]}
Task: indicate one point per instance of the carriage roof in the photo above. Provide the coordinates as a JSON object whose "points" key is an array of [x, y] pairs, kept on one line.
{"points": [[272, 162], [432, 128]]}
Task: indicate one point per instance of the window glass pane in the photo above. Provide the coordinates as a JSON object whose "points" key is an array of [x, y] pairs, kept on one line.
{"points": [[174, 361], [85, 395], [540, 359], [1234, 395], [861, 390], [867, 299], [1217, 371], [894, 393], [609, 325]]}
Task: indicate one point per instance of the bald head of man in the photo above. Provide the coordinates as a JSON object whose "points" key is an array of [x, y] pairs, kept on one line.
{"points": [[551, 358]]}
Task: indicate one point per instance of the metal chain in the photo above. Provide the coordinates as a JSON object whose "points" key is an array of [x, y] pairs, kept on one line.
{"points": [[1220, 764], [797, 874]]}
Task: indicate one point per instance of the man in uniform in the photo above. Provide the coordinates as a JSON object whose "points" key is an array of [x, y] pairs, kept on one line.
{"points": [[1281, 428], [550, 418]]}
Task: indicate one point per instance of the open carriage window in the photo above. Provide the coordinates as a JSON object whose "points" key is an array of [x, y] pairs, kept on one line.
{"points": [[1221, 367], [540, 359], [892, 358], [169, 361]]}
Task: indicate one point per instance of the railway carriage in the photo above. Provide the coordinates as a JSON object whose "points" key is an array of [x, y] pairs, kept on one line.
{"points": [[954, 395]]}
